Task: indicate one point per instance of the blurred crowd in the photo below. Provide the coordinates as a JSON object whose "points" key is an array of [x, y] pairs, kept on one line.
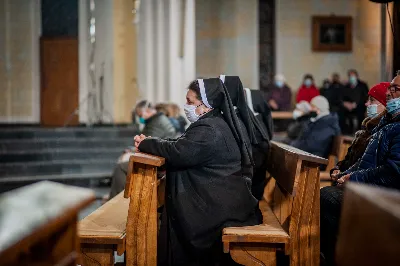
{"points": [[346, 98]]}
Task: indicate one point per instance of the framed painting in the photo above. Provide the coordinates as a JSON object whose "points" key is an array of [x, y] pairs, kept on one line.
{"points": [[332, 34]]}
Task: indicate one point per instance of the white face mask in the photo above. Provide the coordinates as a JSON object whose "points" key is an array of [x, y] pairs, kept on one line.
{"points": [[297, 114], [190, 112]]}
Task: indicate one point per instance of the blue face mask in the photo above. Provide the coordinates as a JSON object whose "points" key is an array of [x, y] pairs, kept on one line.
{"points": [[142, 120], [372, 110], [279, 83], [353, 80], [308, 83], [393, 106]]}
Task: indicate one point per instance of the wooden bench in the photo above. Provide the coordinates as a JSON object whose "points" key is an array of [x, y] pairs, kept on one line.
{"points": [[290, 209], [370, 227], [127, 224], [282, 115], [39, 224], [339, 149]]}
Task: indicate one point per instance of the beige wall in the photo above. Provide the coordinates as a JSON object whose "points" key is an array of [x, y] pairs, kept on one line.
{"points": [[19, 61], [293, 40], [227, 39]]}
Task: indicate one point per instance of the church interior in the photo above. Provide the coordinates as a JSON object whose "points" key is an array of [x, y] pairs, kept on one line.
{"points": [[199, 132]]}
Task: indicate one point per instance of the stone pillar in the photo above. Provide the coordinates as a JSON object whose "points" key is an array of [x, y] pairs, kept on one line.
{"points": [[125, 59], [83, 38]]}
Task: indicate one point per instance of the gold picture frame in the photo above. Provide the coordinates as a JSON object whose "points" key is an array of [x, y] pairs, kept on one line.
{"points": [[332, 33]]}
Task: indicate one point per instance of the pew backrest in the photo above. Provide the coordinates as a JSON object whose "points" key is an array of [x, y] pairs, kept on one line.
{"points": [[141, 229], [295, 192], [369, 231], [339, 149]]}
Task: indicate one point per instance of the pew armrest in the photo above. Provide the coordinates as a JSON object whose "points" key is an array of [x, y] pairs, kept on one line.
{"points": [[144, 159]]}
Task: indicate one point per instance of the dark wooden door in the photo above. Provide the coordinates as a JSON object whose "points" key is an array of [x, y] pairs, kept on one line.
{"points": [[60, 81]]}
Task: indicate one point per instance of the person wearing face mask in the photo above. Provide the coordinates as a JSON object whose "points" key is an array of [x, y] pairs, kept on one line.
{"points": [[278, 94], [156, 124], [208, 178], [319, 132], [333, 93], [379, 165], [307, 90], [259, 138], [376, 109], [301, 116], [355, 94]]}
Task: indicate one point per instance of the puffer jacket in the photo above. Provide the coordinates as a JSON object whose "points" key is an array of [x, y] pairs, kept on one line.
{"points": [[360, 142], [380, 164]]}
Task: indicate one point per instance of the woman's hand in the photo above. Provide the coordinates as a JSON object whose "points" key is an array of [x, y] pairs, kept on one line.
{"points": [[343, 179], [335, 174], [138, 139]]}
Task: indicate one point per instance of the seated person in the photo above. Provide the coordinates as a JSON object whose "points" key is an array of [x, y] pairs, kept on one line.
{"points": [[319, 132], [258, 136], [278, 95], [176, 118], [307, 90], [376, 106], [260, 109], [208, 182], [279, 98], [301, 116], [379, 165], [155, 124]]}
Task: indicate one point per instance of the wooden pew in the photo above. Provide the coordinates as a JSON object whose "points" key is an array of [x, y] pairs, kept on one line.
{"points": [[39, 224], [370, 227], [127, 224], [339, 149], [291, 215], [282, 115], [290, 211]]}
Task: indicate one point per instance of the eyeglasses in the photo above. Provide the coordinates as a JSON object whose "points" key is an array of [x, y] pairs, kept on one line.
{"points": [[394, 88]]}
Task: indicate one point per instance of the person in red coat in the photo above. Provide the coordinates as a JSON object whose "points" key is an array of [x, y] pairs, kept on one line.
{"points": [[307, 90]]}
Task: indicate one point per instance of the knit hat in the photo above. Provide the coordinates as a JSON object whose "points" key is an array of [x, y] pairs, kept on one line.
{"points": [[321, 103], [379, 92], [303, 106]]}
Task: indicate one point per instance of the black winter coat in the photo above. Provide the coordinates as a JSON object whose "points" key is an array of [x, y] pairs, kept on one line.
{"points": [[205, 189], [318, 136]]}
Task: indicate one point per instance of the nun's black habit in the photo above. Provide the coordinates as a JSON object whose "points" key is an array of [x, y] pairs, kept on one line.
{"points": [[262, 111], [258, 135], [206, 188]]}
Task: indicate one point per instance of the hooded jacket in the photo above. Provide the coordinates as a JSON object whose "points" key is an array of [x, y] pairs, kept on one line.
{"points": [[317, 136]]}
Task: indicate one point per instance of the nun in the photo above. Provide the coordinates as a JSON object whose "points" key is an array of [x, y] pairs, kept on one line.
{"points": [[259, 137], [208, 182], [259, 106]]}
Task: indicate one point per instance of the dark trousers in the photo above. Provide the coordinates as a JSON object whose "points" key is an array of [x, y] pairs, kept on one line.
{"points": [[331, 204], [118, 179], [346, 119]]}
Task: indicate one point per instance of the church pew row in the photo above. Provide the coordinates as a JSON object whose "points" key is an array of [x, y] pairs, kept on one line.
{"points": [[338, 153], [369, 231], [290, 210], [38, 224], [127, 224]]}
